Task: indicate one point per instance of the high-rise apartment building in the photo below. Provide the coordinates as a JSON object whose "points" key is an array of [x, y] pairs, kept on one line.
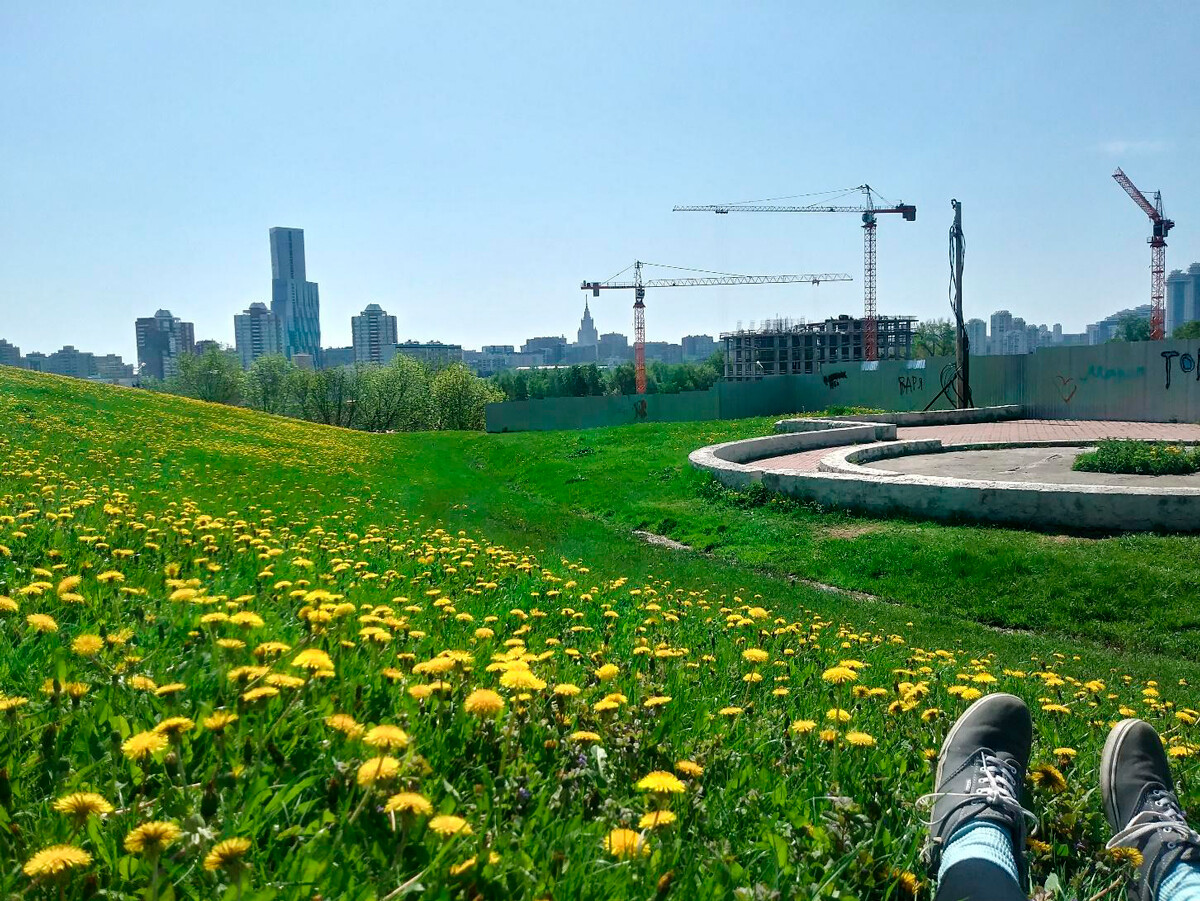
{"points": [[1183, 297], [10, 354], [372, 331], [256, 333], [698, 347], [161, 339], [977, 336], [295, 301]]}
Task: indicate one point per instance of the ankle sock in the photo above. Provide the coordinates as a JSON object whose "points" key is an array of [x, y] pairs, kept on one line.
{"points": [[1182, 883], [990, 842]]}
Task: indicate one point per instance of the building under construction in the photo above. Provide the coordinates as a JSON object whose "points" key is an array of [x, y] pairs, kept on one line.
{"points": [[796, 347]]}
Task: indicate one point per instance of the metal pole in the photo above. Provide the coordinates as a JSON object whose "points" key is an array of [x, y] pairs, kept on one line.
{"points": [[962, 346]]}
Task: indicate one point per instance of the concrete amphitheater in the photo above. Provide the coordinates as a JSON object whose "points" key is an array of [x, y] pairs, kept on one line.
{"points": [[982, 465]]}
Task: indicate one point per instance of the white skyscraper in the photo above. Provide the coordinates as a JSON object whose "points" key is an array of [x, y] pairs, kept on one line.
{"points": [[256, 333], [373, 330]]}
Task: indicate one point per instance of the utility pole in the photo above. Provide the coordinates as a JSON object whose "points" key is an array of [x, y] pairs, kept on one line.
{"points": [[962, 346]]}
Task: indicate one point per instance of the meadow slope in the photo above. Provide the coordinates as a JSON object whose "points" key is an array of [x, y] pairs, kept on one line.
{"points": [[382, 666]]}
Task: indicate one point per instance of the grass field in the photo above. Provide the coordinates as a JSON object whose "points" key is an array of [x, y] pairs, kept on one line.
{"points": [[440, 665]]}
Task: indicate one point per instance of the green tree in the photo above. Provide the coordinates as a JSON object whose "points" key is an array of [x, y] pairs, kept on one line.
{"points": [[716, 363], [1132, 328], [266, 383], [1188, 331], [460, 396], [215, 375], [396, 397], [933, 338]]}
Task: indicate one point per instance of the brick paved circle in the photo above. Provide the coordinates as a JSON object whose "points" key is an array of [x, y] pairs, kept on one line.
{"points": [[1065, 430]]}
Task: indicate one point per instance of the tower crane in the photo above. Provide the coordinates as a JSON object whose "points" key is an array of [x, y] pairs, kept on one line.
{"points": [[1160, 225], [639, 285], [868, 210]]}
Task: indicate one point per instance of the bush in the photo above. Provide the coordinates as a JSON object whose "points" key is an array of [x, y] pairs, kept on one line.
{"points": [[1143, 458]]}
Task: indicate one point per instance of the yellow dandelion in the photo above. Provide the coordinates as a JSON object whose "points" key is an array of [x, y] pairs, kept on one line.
{"points": [[608, 672], [1048, 776], [345, 724], [81, 805], [56, 859], [860, 739], [447, 825], [755, 655], [583, 736], [384, 736], [409, 803], [1129, 856], [143, 744], [377, 769], [566, 690], [152, 837], [40, 622], [227, 855], [837, 715], [520, 679], [730, 711], [661, 782], [219, 720], [87, 645], [483, 702], [803, 727], [623, 843], [175, 726], [656, 819], [839, 675], [313, 659]]}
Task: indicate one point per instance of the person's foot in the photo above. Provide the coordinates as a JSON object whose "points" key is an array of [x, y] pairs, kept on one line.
{"points": [[980, 772], [1140, 802]]}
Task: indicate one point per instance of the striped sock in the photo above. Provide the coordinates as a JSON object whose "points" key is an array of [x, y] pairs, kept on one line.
{"points": [[1182, 883], [983, 840]]}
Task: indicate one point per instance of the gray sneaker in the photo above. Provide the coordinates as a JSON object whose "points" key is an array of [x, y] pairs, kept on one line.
{"points": [[1140, 802], [979, 775]]}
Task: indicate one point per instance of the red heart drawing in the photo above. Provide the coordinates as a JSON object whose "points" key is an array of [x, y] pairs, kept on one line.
{"points": [[1062, 388]]}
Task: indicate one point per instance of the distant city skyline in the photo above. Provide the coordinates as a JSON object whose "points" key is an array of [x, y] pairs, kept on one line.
{"points": [[469, 191]]}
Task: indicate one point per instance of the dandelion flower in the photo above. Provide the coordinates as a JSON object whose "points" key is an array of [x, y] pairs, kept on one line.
{"points": [[829, 736], [566, 690], [860, 739], [40, 622], [1047, 776], [81, 805], [1131, 856], [218, 721], [755, 655], [656, 819], [730, 711], [608, 672], [839, 675], [447, 824], [483, 702], [227, 855], [661, 782], [344, 723], [151, 838], [175, 726], [143, 744], [837, 715], [521, 679], [583, 736], [87, 645], [56, 859], [623, 843], [384, 736], [689, 768], [803, 727], [312, 659], [378, 769], [410, 803]]}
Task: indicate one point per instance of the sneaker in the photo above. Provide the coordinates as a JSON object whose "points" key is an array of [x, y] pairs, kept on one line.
{"points": [[1140, 802], [979, 775]]}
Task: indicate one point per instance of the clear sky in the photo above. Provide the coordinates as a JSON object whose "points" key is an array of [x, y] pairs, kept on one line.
{"points": [[466, 166]]}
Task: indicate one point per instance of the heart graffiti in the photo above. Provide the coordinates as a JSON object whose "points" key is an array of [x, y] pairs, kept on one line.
{"points": [[1063, 384]]}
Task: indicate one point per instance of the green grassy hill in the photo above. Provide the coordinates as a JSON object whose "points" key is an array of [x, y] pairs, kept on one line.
{"points": [[441, 664]]}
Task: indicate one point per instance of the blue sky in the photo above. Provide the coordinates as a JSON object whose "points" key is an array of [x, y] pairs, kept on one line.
{"points": [[466, 166]]}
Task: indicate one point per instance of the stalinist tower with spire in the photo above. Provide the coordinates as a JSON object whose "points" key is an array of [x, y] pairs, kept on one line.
{"points": [[587, 336]]}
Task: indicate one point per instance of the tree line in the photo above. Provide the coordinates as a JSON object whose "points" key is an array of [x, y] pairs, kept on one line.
{"points": [[589, 380], [405, 395]]}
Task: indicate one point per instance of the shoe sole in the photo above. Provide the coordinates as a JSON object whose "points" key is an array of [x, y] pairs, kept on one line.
{"points": [[962, 719], [1108, 763]]}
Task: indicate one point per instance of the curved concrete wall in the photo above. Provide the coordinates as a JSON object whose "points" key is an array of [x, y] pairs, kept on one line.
{"points": [[843, 482]]}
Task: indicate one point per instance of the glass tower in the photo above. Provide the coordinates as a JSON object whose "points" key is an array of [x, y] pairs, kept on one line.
{"points": [[294, 300]]}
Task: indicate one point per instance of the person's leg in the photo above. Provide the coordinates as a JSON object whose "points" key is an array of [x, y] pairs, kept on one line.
{"points": [[1144, 813], [977, 825]]}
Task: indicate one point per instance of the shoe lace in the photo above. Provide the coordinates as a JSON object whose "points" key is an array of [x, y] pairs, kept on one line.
{"points": [[997, 788], [1162, 813]]}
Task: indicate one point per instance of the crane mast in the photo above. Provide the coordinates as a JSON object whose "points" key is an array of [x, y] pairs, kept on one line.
{"points": [[869, 212], [1160, 227], [639, 285]]}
